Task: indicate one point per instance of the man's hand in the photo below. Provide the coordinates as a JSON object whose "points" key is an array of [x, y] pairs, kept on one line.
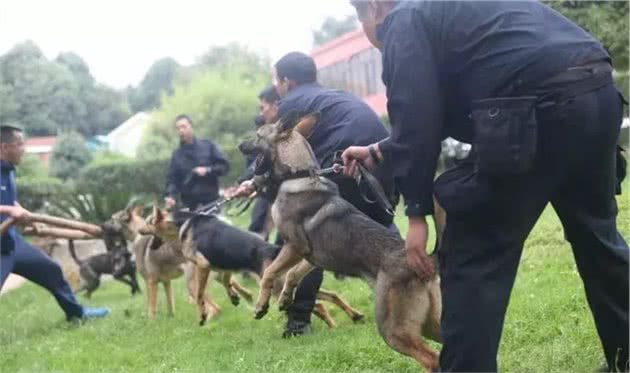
{"points": [[354, 154], [244, 190], [20, 214], [169, 202], [201, 171], [416, 245]]}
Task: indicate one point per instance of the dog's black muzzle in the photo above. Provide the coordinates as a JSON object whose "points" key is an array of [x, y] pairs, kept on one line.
{"points": [[263, 156]]}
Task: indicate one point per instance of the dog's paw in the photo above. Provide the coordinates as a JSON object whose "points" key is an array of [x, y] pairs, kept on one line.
{"points": [[203, 319], [235, 300], [284, 301], [283, 306], [358, 318], [261, 311]]}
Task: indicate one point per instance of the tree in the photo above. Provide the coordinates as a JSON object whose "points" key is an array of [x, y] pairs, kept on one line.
{"points": [[69, 156], [159, 78], [50, 96], [222, 106], [332, 28], [607, 20]]}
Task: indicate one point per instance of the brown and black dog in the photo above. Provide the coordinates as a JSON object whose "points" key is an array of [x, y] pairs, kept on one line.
{"points": [[159, 262], [322, 229], [215, 245]]}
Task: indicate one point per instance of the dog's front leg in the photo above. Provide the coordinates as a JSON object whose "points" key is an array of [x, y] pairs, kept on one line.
{"points": [[128, 282], [287, 258], [170, 301], [152, 288], [226, 281], [291, 281]]}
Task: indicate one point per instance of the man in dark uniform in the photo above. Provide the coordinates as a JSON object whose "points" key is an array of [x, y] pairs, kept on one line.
{"points": [[344, 120], [16, 255], [195, 168], [267, 113], [533, 93]]}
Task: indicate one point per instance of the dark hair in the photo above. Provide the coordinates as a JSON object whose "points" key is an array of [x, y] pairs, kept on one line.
{"points": [[183, 116], [269, 94], [7, 134], [361, 5], [298, 67]]}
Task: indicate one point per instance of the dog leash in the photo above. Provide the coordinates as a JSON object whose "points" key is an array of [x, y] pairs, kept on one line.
{"points": [[373, 185]]}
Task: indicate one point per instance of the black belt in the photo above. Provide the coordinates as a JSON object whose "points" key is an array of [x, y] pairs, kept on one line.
{"points": [[578, 73], [573, 82]]}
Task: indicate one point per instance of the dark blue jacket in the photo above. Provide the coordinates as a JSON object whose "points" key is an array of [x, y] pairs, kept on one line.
{"points": [[345, 120], [8, 195], [191, 187], [438, 56]]}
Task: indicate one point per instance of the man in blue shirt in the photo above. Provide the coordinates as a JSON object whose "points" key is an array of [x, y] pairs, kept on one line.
{"points": [[16, 255], [533, 93]]}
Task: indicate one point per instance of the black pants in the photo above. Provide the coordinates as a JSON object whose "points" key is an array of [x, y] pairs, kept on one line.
{"points": [[259, 215], [35, 266], [483, 244], [306, 292]]}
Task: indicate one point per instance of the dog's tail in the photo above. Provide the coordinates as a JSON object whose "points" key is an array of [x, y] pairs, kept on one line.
{"points": [[73, 253]]}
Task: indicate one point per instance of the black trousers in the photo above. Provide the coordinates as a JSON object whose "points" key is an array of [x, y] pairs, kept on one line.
{"points": [[306, 292], [34, 265], [259, 215], [482, 246]]}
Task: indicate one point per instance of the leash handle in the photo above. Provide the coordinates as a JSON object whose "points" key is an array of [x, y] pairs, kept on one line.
{"points": [[375, 187]]}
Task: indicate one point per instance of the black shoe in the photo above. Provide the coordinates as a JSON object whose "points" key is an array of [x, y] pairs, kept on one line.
{"points": [[297, 328]]}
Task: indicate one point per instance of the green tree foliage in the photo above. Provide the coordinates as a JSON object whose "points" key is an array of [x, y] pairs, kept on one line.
{"points": [[31, 167], [332, 28], [47, 97], [158, 79], [69, 156], [606, 20]]}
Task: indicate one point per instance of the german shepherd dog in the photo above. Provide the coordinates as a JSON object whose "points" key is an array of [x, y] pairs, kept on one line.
{"points": [[215, 245], [117, 263], [322, 229], [158, 262]]}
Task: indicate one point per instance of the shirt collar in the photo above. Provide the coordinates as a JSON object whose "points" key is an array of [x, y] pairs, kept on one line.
{"points": [[193, 143]]}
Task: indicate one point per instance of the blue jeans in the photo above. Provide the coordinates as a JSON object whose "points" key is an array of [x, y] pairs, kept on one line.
{"points": [[34, 265]]}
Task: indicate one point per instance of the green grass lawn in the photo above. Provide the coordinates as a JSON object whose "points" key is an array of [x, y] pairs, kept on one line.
{"points": [[548, 327]]}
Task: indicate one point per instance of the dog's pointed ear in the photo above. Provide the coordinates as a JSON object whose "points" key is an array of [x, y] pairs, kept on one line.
{"points": [[155, 213], [306, 124], [289, 120], [137, 210], [160, 216]]}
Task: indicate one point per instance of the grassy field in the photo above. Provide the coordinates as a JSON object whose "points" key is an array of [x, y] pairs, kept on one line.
{"points": [[548, 327]]}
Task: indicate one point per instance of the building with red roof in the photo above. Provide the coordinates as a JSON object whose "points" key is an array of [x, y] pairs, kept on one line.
{"points": [[40, 146], [351, 63]]}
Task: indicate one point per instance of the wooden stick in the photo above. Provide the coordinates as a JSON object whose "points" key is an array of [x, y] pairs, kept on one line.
{"points": [[71, 234], [4, 227], [91, 229]]}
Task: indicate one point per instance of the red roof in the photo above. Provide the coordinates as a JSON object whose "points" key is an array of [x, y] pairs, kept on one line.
{"points": [[41, 141], [341, 48]]}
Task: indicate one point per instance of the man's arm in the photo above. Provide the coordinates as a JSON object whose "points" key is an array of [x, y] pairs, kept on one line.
{"points": [[250, 168], [415, 107], [16, 211], [219, 165], [171, 177]]}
